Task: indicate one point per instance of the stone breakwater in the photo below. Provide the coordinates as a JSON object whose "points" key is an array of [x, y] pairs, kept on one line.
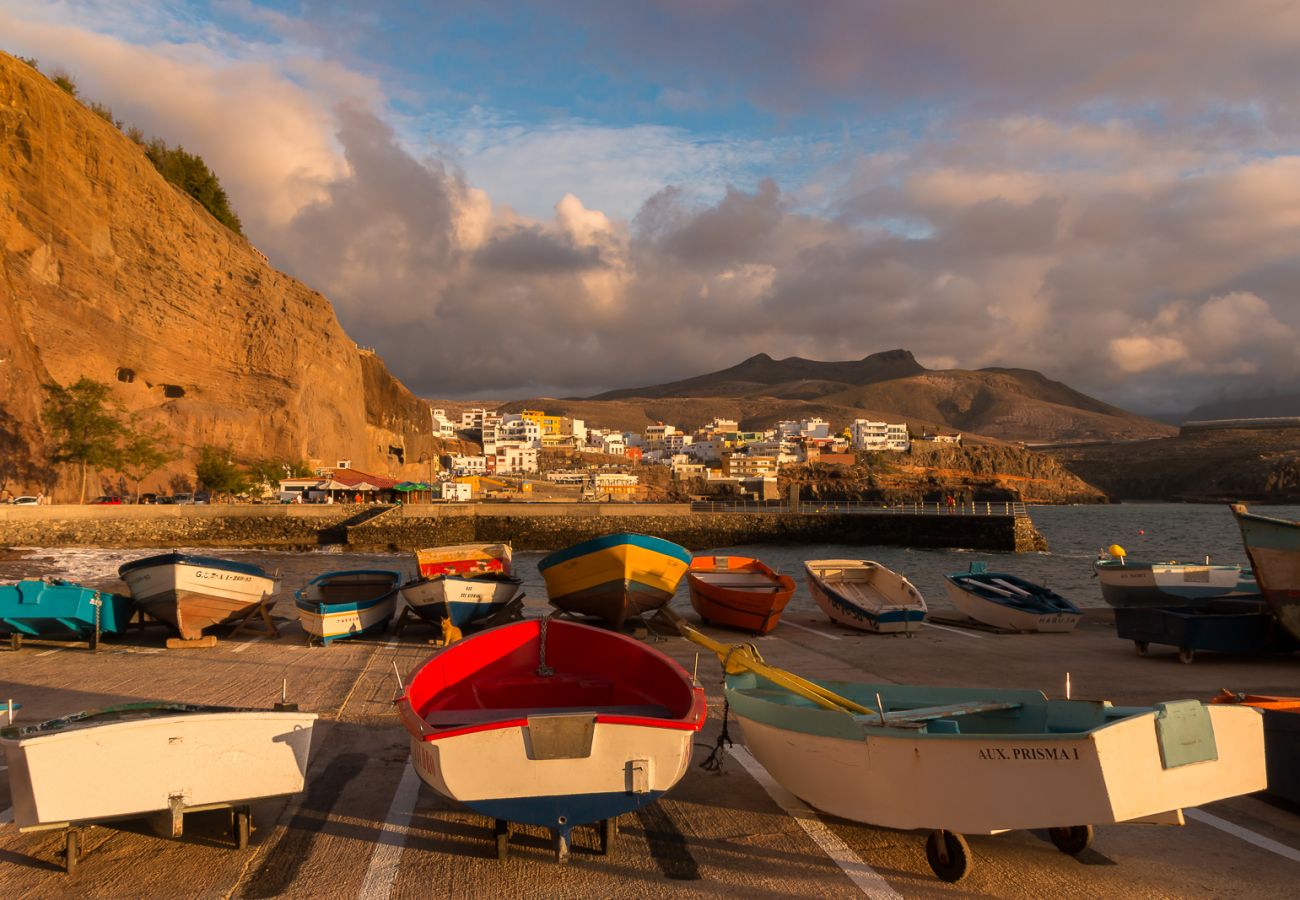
{"points": [[526, 526]]}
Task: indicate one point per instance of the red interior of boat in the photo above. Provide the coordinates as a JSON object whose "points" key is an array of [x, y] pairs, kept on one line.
{"points": [[493, 677]]}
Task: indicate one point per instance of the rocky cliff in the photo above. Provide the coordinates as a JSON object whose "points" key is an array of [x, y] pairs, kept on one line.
{"points": [[108, 271]]}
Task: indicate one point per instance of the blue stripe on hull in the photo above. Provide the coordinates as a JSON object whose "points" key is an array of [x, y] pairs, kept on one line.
{"points": [[645, 541], [575, 809], [894, 616]]}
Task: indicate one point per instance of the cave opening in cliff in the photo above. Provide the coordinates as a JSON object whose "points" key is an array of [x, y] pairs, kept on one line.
{"points": [[173, 391], [125, 375], [399, 453]]}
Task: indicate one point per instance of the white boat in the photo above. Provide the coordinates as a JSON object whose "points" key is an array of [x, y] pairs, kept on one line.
{"points": [[348, 603], [1009, 602], [1128, 583], [462, 599], [865, 595], [194, 592], [142, 759]]}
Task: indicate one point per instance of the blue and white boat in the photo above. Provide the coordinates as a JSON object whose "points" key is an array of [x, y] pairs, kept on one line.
{"points": [[37, 607], [1009, 601], [865, 595], [347, 603], [464, 599], [192, 593], [1126, 582]]}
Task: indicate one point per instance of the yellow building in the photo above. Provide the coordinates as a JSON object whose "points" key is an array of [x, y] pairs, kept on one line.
{"points": [[545, 424]]}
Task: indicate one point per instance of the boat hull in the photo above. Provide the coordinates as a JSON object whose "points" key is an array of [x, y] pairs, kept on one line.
{"points": [[998, 615], [613, 577], [195, 593], [219, 758], [1138, 584], [340, 605], [37, 607], [984, 783], [737, 592], [903, 611], [464, 559], [1274, 549], [464, 600]]}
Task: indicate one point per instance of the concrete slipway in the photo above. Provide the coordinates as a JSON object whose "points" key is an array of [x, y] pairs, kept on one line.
{"points": [[365, 827]]}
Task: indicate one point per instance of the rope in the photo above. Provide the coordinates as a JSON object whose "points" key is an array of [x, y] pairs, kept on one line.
{"points": [[543, 670], [713, 762]]}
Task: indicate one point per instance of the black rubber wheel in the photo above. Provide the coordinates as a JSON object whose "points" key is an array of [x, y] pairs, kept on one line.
{"points": [[608, 831], [243, 827], [958, 864], [1186, 656], [1071, 839], [561, 847], [501, 828], [1141, 647], [71, 851]]}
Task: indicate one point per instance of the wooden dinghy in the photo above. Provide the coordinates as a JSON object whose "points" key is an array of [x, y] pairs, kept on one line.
{"points": [[348, 603], [1274, 549], [865, 595], [615, 576], [1281, 739], [463, 599], [1009, 601], [960, 761], [192, 593], [1127, 583], [153, 759], [738, 592], [39, 607], [551, 723], [464, 559]]}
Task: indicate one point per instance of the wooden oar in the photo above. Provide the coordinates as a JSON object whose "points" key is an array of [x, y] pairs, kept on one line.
{"points": [[737, 658]]}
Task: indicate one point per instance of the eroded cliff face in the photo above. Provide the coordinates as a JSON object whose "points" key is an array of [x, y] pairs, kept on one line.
{"points": [[108, 271]]}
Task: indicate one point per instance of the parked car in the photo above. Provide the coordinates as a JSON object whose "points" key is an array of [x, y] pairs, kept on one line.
{"points": [[202, 497], [148, 498], [107, 500], [25, 501], [166, 500]]}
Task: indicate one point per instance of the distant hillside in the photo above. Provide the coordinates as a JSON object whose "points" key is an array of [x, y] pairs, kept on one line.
{"points": [[998, 403], [1268, 407]]}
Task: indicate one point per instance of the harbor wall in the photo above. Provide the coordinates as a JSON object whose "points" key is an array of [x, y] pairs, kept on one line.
{"points": [[528, 526]]}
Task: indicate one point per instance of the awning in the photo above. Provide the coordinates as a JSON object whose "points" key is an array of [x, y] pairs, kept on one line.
{"points": [[407, 486]]}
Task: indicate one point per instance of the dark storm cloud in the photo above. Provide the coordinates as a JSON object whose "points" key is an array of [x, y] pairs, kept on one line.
{"points": [[527, 249]]}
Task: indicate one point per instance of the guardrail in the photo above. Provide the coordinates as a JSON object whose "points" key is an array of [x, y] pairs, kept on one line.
{"points": [[863, 507]]}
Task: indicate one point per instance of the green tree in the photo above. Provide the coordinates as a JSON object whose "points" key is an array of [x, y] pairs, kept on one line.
{"points": [[65, 81], [143, 454], [192, 175], [217, 472], [86, 426]]}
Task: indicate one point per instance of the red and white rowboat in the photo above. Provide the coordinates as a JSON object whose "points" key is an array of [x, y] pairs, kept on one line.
{"points": [[551, 723]]}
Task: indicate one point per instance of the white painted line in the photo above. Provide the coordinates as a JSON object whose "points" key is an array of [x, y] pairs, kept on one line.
{"points": [[392, 643], [246, 644], [953, 630], [833, 637], [48, 652], [868, 880], [392, 838], [1245, 834]]}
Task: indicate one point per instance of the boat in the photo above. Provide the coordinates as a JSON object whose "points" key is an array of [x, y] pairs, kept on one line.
{"points": [[1281, 739], [738, 592], [1009, 601], [38, 607], [163, 759], [464, 599], [614, 576], [551, 723], [1127, 583], [347, 603], [192, 593], [865, 595], [1242, 626], [957, 761], [464, 559], [1274, 549]]}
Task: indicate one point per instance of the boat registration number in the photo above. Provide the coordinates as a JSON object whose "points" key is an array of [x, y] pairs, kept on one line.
{"points": [[1050, 754]]}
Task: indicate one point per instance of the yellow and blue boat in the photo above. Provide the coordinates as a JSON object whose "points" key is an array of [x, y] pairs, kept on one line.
{"points": [[614, 576]]}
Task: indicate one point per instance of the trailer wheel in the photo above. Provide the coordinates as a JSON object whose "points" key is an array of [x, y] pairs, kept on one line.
{"points": [[1071, 839], [948, 855], [608, 831], [1186, 655], [501, 828], [1141, 647], [243, 826], [71, 851]]}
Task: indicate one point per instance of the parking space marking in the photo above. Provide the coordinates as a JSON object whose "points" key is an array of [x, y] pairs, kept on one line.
{"points": [[868, 880], [1244, 834], [833, 637], [387, 854], [48, 652], [953, 630], [245, 645]]}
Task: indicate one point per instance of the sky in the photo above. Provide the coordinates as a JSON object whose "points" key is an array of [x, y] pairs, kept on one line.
{"points": [[513, 199]]}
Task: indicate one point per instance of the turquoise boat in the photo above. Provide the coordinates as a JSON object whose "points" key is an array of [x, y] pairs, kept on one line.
{"points": [[1274, 549], [38, 607]]}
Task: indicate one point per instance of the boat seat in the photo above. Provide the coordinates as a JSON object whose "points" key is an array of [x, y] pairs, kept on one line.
{"points": [[451, 718], [917, 718]]}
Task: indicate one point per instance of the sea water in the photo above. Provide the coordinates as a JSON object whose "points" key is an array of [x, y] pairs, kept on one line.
{"points": [[1148, 531]]}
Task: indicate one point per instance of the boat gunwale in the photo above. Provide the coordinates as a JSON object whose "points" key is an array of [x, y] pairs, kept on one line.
{"points": [[194, 561]]}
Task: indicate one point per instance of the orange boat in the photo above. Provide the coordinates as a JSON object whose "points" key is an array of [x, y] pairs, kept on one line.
{"points": [[738, 592], [1281, 739]]}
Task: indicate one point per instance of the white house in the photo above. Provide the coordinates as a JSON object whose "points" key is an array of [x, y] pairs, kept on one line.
{"points": [[880, 435]]}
